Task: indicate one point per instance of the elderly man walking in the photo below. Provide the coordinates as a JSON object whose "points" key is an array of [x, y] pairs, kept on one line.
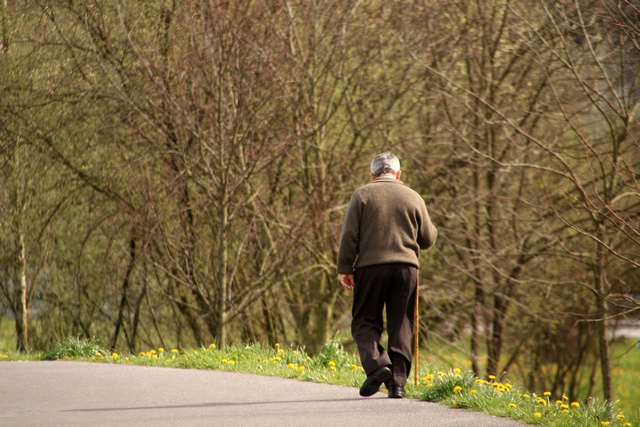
{"points": [[385, 227]]}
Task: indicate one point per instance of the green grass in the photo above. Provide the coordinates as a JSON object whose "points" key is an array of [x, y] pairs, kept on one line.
{"points": [[455, 387]]}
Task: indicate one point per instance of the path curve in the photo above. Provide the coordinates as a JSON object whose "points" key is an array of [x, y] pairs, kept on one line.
{"points": [[99, 394]]}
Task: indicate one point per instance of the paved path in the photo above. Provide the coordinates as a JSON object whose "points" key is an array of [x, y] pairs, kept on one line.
{"points": [[96, 394]]}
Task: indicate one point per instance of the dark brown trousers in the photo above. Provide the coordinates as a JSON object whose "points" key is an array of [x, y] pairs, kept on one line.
{"points": [[392, 286]]}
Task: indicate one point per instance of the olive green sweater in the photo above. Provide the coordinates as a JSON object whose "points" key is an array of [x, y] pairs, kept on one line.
{"points": [[386, 222]]}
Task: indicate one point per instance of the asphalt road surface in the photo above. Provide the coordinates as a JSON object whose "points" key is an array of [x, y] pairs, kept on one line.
{"points": [[100, 394]]}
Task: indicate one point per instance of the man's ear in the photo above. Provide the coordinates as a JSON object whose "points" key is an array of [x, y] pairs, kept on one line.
{"points": [[398, 175], [372, 176]]}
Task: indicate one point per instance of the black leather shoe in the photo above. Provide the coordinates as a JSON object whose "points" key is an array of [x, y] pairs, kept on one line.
{"points": [[373, 382], [396, 392]]}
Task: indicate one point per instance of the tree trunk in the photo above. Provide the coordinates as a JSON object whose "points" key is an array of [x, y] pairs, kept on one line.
{"points": [[22, 321]]}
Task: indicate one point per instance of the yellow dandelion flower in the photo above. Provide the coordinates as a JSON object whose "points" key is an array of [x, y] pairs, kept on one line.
{"points": [[332, 368], [457, 389], [525, 396], [290, 365], [564, 406], [174, 350], [212, 346], [427, 378], [537, 415], [301, 368], [473, 391], [231, 362], [565, 411], [294, 351], [154, 356], [604, 423], [332, 363], [161, 350], [627, 424], [152, 352], [280, 351], [115, 355], [546, 394], [620, 417], [492, 377], [542, 402], [558, 402], [575, 405], [142, 353], [512, 405], [457, 370], [565, 397], [277, 344]]}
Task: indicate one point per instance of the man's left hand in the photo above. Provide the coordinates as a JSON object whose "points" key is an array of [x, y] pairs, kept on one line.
{"points": [[346, 280]]}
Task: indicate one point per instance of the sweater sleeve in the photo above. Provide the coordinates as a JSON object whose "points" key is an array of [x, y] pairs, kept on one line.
{"points": [[349, 238], [427, 233]]}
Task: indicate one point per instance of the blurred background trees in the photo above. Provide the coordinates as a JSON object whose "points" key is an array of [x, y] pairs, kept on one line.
{"points": [[175, 173]]}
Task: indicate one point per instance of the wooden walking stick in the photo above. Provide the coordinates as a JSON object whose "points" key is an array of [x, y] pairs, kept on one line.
{"points": [[416, 328]]}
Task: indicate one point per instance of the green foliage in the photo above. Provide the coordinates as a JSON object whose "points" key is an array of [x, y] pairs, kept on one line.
{"points": [[75, 348]]}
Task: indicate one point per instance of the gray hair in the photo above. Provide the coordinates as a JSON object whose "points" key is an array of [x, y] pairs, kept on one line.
{"points": [[385, 163]]}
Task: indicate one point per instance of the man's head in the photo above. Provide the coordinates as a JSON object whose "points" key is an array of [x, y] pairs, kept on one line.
{"points": [[385, 163]]}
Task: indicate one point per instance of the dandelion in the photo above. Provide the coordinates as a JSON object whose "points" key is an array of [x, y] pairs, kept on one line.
{"points": [[564, 406], [294, 351], [301, 368], [627, 424], [212, 346], [492, 377], [525, 396], [565, 397], [537, 415], [174, 350], [290, 365], [332, 363], [542, 402], [280, 351], [457, 389], [115, 355], [546, 394], [620, 417], [427, 378], [512, 405], [332, 368], [473, 391], [575, 405], [457, 370], [161, 350], [604, 423]]}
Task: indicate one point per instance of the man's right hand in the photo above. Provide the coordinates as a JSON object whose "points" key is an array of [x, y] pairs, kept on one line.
{"points": [[346, 280]]}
